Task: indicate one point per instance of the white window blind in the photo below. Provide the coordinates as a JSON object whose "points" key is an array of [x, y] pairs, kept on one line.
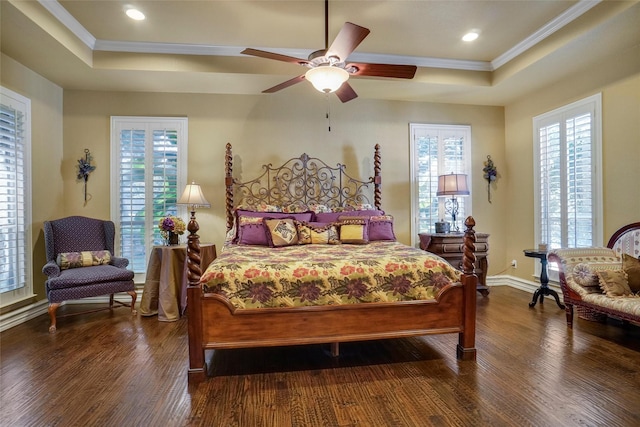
{"points": [[149, 161], [15, 197], [568, 175], [437, 150]]}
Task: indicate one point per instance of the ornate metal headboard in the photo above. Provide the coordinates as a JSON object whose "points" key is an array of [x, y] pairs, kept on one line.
{"points": [[301, 180]]}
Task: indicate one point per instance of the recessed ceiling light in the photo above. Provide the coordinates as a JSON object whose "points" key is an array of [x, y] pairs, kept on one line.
{"points": [[135, 14], [470, 36]]}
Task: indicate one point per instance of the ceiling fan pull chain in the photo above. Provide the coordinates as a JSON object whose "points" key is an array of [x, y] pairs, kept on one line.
{"points": [[328, 112]]}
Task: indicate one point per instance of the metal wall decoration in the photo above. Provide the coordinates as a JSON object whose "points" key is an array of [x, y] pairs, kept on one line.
{"points": [[490, 174], [84, 169]]}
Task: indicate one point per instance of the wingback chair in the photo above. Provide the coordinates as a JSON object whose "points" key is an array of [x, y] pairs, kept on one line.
{"points": [[79, 266]]}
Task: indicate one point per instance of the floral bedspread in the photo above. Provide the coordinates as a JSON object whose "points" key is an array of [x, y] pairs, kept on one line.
{"points": [[304, 275]]}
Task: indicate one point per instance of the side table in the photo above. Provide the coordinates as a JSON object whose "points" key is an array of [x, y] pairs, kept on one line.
{"points": [[450, 246], [544, 289], [165, 287]]}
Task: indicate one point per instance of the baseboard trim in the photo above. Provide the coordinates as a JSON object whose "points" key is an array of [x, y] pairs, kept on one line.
{"points": [[523, 285], [26, 313], [21, 315]]}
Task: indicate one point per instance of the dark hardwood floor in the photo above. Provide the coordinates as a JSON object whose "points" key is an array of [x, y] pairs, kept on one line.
{"points": [[111, 369]]}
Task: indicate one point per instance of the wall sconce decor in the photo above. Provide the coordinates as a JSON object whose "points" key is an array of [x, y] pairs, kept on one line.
{"points": [[84, 169], [490, 174]]}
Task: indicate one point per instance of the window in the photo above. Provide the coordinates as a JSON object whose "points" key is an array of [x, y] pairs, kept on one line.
{"points": [[148, 158], [15, 197], [437, 150], [568, 178]]}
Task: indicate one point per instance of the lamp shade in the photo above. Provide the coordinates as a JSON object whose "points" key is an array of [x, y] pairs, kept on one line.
{"points": [[454, 184], [327, 78], [192, 196]]}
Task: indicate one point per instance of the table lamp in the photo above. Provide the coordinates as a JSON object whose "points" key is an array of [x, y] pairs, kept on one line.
{"points": [[192, 197], [454, 184]]}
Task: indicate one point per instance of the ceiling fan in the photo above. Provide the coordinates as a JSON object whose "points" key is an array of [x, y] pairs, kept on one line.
{"points": [[328, 67]]}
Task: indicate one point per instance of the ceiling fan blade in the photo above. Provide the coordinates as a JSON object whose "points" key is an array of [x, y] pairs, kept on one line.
{"points": [[349, 37], [384, 70], [346, 92], [285, 85], [276, 56]]}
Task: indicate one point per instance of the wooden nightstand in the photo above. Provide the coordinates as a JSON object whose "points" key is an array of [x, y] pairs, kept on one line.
{"points": [[450, 245]]}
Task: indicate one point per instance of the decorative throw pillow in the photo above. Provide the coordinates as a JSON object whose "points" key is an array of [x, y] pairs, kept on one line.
{"points": [[303, 216], [585, 274], [316, 208], [381, 228], [251, 231], [631, 266], [614, 283], [257, 207], [281, 231], [354, 229], [336, 213], [68, 260], [317, 233], [295, 208]]}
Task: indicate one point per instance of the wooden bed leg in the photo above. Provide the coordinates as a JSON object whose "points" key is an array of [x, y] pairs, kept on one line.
{"points": [[197, 368], [335, 349], [467, 338]]}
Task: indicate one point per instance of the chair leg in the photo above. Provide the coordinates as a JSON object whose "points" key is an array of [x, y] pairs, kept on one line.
{"points": [[134, 295], [52, 315], [111, 301]]}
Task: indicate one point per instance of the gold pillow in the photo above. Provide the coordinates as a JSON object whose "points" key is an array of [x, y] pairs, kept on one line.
{"points": [[354, 230], [614, 283], [326, 234], [631, 266]]}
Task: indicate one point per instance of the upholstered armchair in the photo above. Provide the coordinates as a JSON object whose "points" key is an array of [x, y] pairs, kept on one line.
{"points": [[81, 264]]}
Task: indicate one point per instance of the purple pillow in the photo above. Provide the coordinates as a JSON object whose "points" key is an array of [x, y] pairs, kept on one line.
{"points": [[381, 228], [368, 212], [327, 217], [334, 216], [302, 216], [251, 231]]}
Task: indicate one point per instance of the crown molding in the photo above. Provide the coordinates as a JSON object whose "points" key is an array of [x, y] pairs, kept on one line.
{"points": [[545, 31], [62, 15]]}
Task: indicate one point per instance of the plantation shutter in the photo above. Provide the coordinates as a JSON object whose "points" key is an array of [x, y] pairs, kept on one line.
{"points": [[151, 171], [568, 175], [15, 200], [437, 150]]}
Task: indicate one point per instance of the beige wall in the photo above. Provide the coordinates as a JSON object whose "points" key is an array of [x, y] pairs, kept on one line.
{"points": [[620, 88], [274, 128], [46, 154]]}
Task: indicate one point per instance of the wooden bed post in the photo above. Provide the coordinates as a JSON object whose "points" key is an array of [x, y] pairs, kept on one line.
{"points": [[194, 307], [377, 178], [228, 182], [466, 339]]}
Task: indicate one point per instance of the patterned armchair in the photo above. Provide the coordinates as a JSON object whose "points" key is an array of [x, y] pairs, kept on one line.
{"points": [[80, 263]]}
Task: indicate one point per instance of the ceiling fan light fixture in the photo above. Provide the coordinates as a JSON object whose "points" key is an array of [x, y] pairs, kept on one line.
{"points": [[327, 78]]}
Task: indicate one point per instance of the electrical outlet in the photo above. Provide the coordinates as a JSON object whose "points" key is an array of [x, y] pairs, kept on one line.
{"points": [[514, 263]]}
